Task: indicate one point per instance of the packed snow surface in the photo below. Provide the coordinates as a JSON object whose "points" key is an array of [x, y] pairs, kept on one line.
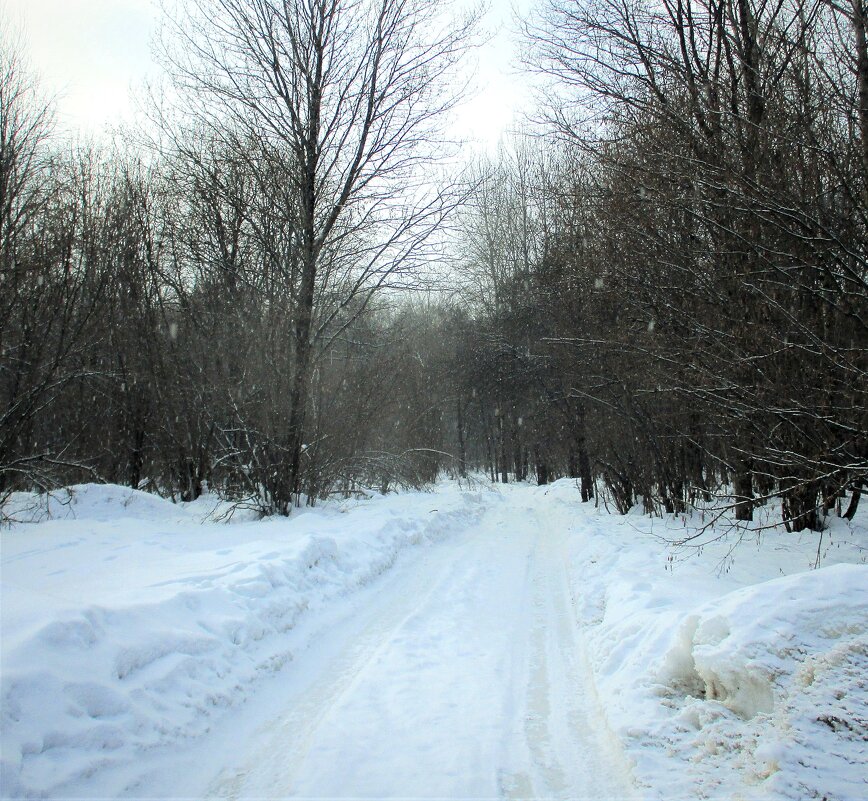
{"points": [[463, 643]]}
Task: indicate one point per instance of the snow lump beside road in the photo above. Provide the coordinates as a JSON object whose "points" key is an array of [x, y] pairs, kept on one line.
{"points": [[730, 672]]}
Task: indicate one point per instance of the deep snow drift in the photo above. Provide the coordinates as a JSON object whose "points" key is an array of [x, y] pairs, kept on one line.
{"points": [[129, 624], [138, 635], [729, 672]]}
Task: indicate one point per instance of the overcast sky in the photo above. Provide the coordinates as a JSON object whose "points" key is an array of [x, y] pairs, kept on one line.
{"points": [[91, 53]]}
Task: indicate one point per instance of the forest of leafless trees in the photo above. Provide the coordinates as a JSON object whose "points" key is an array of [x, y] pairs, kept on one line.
{"points": [[659, 288]]}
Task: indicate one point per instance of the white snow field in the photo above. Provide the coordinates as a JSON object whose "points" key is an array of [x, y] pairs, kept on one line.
{"points": [[465, 643]]}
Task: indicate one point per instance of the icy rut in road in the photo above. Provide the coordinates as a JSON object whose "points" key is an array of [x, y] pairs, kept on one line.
{"points": [[459, 676]]}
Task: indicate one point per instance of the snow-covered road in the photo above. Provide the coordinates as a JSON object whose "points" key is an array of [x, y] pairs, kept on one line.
{"points": [[460, 675], [469, 643]]}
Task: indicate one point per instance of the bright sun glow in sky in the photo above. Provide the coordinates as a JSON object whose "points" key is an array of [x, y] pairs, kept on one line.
{"points": [[91, 55]]}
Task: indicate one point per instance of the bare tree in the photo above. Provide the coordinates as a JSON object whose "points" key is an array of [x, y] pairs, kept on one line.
{"points": [[45, 300], [729, 135], [350, 98], [26, 120]]}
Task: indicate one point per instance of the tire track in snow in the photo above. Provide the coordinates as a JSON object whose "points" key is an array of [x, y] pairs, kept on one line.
{"points": [[290, 741], [564, 733], [461, 676]]}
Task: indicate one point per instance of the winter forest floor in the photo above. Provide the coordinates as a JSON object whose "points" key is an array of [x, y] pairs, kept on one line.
{"points": [[473, 642]]}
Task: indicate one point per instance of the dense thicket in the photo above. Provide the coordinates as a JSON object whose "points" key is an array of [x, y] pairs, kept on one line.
{"points": [[661, 291], [202, 309], [692, 319], [149, 341]]}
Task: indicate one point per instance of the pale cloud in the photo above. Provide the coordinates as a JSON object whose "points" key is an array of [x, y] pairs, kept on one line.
{"points": [[502, 94], [91, 53]]}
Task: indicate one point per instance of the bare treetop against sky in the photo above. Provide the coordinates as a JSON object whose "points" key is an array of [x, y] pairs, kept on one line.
{"points": [[92, 53]]}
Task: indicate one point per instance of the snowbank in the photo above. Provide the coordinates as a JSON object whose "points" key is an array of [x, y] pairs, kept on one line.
{"points": [[129, 625], [728, 673], [110, 502], [788, 658]]}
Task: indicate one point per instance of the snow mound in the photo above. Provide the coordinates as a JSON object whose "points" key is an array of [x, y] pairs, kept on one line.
{"points": [[745, 649], [125, 630], [105, 502], [740, 683], [790, 658]]}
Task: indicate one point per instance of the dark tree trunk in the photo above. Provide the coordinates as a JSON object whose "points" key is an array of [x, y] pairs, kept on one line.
{"points": [[860, 22], [137, 458], [542, 469], [489, 450], [801, 507], [581, 455], [462, 444], [587, 487], [501, 450], [744, 492], [517, 457], [854, 500]]}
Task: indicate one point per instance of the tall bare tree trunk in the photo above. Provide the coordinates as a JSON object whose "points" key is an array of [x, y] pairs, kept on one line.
{"points": [[462, 445]]}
